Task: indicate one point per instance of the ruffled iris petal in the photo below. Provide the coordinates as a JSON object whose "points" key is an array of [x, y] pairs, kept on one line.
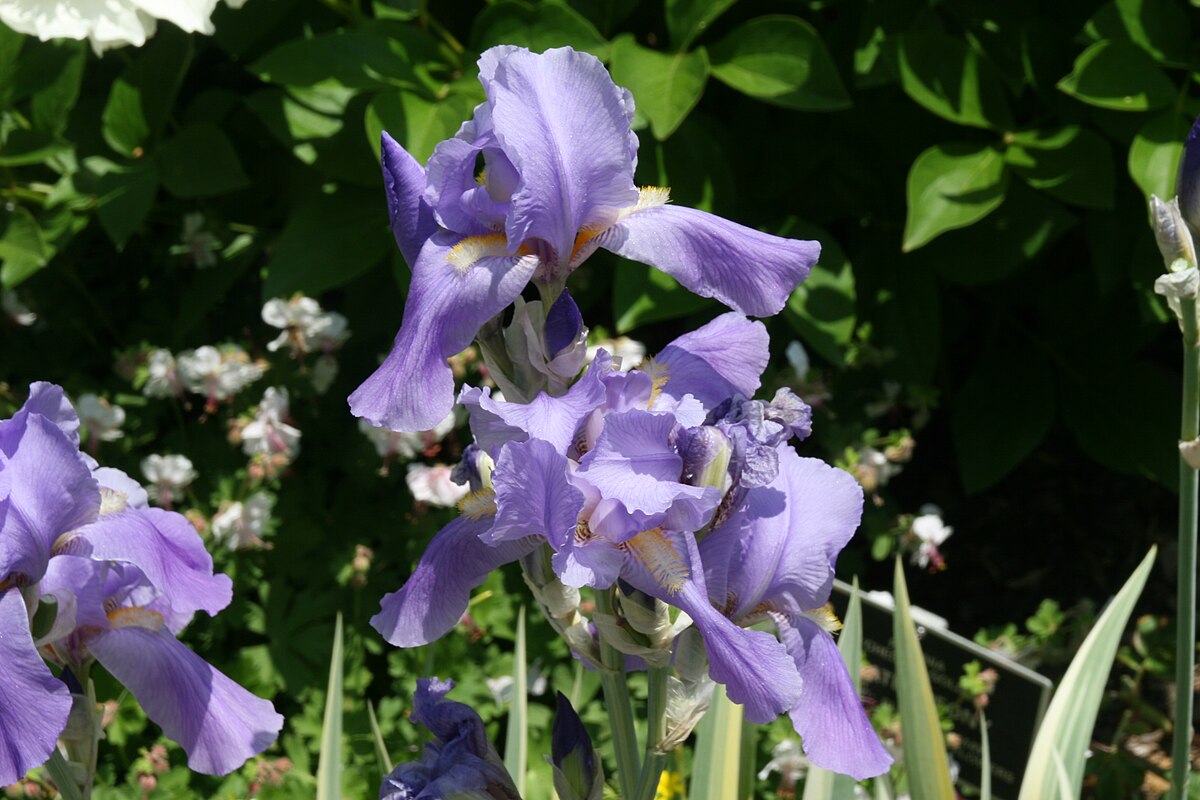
{"points": [[414, 388], [217, 722], [436, 594], [717, 361], [564, 126], [404, 182], [533, 495], [747, 270], [828, 714], [33, 703]]}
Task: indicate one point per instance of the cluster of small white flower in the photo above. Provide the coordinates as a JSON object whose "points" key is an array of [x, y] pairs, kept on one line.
{"points": [[306, 328], [100, 419], [169, 476], [241, 525], [428, 483], [216, 373]]}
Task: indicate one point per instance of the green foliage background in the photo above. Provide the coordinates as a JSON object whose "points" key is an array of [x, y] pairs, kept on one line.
{"points": [[977, 173]]}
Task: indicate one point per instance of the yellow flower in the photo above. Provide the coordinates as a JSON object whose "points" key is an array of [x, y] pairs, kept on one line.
{"points": [[670, 786]]}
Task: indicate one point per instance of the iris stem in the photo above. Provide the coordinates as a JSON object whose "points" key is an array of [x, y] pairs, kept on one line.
{"points": [[1185, 631], [616, 700], [656, 723]]}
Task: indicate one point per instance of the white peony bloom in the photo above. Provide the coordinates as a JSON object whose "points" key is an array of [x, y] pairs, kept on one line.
{"points": [[241, 525], [217, 374], [168, 475], [432, 484], [163, 379], [268, 434], [106, 23], [102, 419], [405, 446]]}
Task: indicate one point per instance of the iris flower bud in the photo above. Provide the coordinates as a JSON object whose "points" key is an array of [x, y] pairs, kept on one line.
{"points": [[1187, 184], [578, 772], [1172, 234]]}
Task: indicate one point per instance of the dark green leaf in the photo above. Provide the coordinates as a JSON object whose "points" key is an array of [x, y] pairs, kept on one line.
{"points": [[1130, 431], [1155, 153], [951, 186], [11, 43], [1071, 163], [1118, 76], [948, 77], [1002, 243], [125, 197], [415, 122], [50, 73], [329, 242], [1160, 27], [200, 161], [23, 147], [687, 19], [290, 121], [665, 87], [642, 294], [781, 60], [536, 26], [1003, 412], [374, 55], [822, 309], [141, 98], [23, 249]]}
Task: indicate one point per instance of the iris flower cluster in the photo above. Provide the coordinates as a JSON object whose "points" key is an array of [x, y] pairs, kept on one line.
{"points": [[669, 481], [89, 572]]}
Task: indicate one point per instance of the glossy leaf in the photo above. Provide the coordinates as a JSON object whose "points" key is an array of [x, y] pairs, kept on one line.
{"points": [[141, 98], [687, 19], [642, 295], [23, 249], [329, 768], [59, 84], [925, 762], [780, 60], [822, 309], [1118, 76], [538, 26], [1155, 153], [951, 186], [1004, 380], [951, 79], [1060, 748], [666, 87], [1071, 163], [415, 122], [126, 195], [375, 54], [1160, 27]]}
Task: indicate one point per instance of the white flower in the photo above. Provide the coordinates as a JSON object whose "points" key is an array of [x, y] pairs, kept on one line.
{"points": [[241, 525], [798, 359], [305, 327], [198, 243], [163, 376], [788, 760], [324, 370], [627, 353], [404, 446], [217, 373], [432, 484], [169, 475], [107, 23], [268, 434], [15, 310], [930, 531], [102, 419]]}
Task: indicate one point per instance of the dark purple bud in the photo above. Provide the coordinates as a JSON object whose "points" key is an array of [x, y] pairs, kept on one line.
{"points": [[564, 323], [577, 774], [1187, 185]]}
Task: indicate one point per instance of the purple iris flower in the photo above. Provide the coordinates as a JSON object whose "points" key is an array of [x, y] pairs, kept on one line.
{"points": [[558, 152], [124, 579], [460, 765], [617, 477]]}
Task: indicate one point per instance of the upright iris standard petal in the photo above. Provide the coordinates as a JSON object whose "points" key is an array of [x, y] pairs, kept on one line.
{"points": [[533, 495], [437, 593], [50, 490], [217, 722], [828, 715], [564, 324], [562, 123], [33, 703], [786, 555], [166, 548], [51, 402], [404, 182], [447, 303], [717, 361], [747, 270]]}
